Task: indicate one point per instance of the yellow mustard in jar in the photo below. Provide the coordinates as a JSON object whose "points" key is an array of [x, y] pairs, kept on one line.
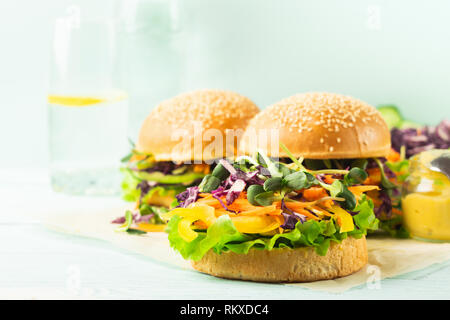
{"points": [[426, 196]]}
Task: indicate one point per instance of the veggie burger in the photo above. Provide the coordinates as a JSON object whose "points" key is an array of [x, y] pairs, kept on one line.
{"points": [[299, 215], [166, 158], [332, 131]]}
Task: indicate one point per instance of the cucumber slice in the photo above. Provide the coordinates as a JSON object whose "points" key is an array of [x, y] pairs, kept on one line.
{"points": [[170, 179], [409, 124], [391, 115]]}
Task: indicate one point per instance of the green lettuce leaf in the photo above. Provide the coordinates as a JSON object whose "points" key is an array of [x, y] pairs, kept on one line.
{"points": [[400, 168], [132, 178], [216, 237], [222, 235], [394, 227], [129, 186], [131, 193], [365, 219]]}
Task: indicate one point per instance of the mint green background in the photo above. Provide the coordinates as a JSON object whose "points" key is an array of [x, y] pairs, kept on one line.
{"points": [[266, 50]]}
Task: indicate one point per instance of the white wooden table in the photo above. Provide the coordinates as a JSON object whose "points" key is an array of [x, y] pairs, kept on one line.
{"points": [[37, 263]]}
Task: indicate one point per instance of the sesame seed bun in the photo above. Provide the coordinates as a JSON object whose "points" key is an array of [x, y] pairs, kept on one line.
{"points": [[321, 126], [171, 129], [287, 265]]}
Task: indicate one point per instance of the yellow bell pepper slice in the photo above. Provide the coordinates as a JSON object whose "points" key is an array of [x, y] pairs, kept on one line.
{"points": [[343, 218], [256, 224], [196, 211], [185, 231], [191, 214]]}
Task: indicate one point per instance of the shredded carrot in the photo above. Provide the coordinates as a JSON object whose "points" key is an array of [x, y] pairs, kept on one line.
{"points": [[200, 224], [299, 207], [137, 157], [204, 195], [210, 202], [204, 168], [314, 193], [269, 210], [397, 211], [377, 202], [374, 176], [359, 190], [294, 205], [276, 212], [307, 214], [327, 203], [322, 211], [150, 227], [373, 171], [393, 156], [328, 178], [242, 205], [221, 212], [373, 194]]}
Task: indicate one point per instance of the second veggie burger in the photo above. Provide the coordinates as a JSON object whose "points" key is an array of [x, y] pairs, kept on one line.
{"points": [[173, 151]]}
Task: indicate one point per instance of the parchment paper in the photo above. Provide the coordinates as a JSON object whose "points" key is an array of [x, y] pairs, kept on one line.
{"points": [[387, 257]]}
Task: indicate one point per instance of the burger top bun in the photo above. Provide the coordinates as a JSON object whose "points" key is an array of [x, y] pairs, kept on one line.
{"points": [[319, 125], [178, 129]]}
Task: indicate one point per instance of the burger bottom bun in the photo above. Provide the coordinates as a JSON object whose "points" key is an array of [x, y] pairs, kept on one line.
{"points": [[287, 265]]}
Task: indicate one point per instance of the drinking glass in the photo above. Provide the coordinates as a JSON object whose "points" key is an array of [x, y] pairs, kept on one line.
{"points": [[88, 110]]}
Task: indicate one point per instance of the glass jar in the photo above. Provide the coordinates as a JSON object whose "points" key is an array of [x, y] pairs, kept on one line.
{"points": [[426, 198]]}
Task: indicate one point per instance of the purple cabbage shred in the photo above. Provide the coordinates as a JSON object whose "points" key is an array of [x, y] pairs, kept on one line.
{"points": [[426, 138], [235, 190], [185, 198], [137, 218], [165, 167], [290, 217], [386, 205]]}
